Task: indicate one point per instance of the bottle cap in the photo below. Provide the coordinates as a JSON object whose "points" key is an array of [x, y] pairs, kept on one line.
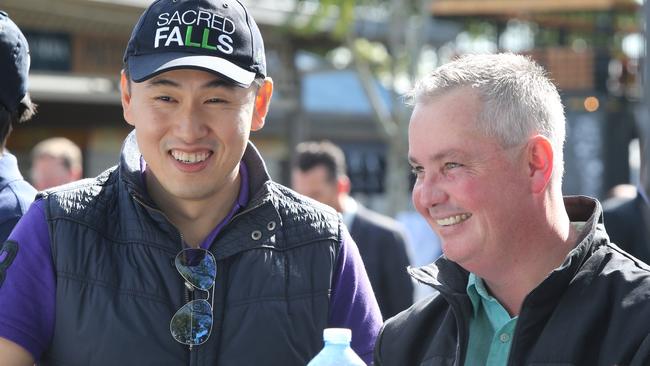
{"points": [[337, 335]]}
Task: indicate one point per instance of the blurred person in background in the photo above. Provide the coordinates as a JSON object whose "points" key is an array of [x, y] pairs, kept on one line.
{"points": [[15, 107], [628, 220], [528, 277], [186, 252], [320, 173], [55, 161]]}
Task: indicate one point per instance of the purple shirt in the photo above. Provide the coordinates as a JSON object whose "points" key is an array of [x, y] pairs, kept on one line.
{"points": [[28, 294]]}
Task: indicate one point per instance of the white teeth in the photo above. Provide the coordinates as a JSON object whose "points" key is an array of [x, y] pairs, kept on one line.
{"points": [[189, 158], [453, 220]]}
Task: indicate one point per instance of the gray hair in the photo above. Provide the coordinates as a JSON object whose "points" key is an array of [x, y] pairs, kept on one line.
{"points": [[518, 98]]}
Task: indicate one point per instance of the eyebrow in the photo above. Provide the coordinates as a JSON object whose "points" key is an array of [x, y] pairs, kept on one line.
{"points": [[445, 154], [214, 83]]}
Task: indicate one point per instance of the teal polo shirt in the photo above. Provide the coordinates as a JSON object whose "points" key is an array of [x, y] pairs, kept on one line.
{"points": [[490, 329]]}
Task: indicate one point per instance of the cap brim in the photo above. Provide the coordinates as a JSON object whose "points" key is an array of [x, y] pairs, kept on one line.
{"points": [[144, 67]]}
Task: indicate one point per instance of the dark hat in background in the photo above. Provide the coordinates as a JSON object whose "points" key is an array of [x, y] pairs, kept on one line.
{"points": [[14, 63], [218, 36]]}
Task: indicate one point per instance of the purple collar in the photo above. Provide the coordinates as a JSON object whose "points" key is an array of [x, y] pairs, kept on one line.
{"points": [[241, 202]]}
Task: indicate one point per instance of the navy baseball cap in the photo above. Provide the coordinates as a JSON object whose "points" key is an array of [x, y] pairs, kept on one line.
{"points": [[218, 36], [14, 64]]}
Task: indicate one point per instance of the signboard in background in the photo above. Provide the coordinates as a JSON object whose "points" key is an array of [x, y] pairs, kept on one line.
{"points": [[49, 51], [366, 166], [98, 55]]}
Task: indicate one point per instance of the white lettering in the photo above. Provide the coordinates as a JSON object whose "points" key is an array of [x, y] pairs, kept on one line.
{"points": [[199, 18], [175, 19], [163, 19], [191, 12], [216, 22], [159, 36], [204, 16], [175, 36], [226, 29], [225, 44]]}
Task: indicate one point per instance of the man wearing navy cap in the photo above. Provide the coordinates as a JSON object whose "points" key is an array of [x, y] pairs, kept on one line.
{"points": [[186, 252], [15, 107]]}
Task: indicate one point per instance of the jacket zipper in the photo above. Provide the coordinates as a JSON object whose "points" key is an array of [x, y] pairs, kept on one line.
{"points": [[187, 292], [180, 235]]}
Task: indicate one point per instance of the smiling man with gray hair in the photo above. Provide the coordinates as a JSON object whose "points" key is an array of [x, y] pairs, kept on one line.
{"points": [[528, 277]]}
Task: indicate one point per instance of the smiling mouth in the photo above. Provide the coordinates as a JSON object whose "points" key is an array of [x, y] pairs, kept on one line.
{"points": [[453, 220], [190, 157]]}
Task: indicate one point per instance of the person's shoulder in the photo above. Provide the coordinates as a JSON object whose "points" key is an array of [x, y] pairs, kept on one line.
{"points": [[379, 223], [415, 313], [413, 325], [81, 194], [85, 184], [618, 207], [16, 196], [296, 202], [627, 274]]}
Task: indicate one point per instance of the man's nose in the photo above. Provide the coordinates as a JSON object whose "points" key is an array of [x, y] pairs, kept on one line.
{"points": [[430, 193], [190, 125]]}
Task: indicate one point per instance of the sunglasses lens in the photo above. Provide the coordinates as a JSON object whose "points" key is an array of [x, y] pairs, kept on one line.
{"points": [[192, 323], [197, 266]]}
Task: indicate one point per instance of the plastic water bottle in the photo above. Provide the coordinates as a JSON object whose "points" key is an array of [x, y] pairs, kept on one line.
{"points": [[337, 351]]}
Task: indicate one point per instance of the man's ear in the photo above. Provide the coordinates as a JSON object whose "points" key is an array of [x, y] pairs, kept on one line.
{"points": [[125, 96], [343, 184], [262, 102], [539, 153]]}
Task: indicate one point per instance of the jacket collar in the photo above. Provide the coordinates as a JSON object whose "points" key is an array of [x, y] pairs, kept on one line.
{"points": [[447, 276], [261, 195], [131, 166]]}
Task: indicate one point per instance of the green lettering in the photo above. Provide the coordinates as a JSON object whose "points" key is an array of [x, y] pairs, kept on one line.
{"points": [[188, 37], [204, 43]]}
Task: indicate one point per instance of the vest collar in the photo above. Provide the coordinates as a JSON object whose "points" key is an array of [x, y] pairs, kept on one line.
{"points": [[259, 230]]}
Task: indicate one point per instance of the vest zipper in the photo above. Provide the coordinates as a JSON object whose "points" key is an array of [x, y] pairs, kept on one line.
{"points": [[160, 212], [186, 290], [245, 211], [193, 360]]}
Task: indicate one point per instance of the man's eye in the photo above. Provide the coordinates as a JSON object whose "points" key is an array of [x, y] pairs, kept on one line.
{"points": [[163, 98], [417, 170], [450, 165], [216, 100]]}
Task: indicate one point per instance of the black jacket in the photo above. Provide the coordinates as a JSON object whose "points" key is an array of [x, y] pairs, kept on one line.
{"points": [[117, 288], [593, 310], [383, 250]]}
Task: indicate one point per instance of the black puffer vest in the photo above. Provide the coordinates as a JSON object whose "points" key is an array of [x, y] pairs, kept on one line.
{"points": [[117, 288]]}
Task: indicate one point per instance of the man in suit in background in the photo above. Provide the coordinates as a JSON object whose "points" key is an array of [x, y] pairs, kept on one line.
{"points": [[628, 220], [320, 173]]}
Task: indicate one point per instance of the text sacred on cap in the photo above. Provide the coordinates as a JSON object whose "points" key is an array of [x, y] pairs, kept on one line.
{"points": [[215, 35]]}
